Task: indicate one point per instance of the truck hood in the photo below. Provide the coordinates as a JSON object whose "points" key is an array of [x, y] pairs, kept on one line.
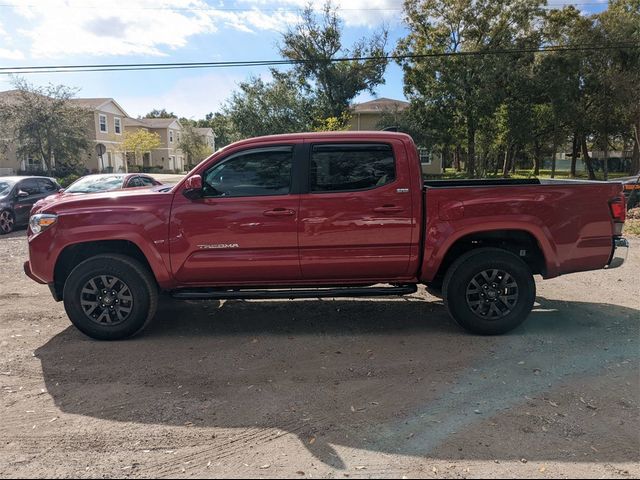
{"points": [[65, 202]]}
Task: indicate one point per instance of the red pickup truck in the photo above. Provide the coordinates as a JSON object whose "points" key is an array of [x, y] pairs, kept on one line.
{"points": [[321, 215]]}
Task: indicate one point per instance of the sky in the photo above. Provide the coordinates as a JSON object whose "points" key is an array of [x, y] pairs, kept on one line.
{"points": [[73, 32]]}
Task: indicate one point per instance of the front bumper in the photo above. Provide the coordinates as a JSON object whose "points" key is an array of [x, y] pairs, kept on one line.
{"points": [[620, 252], [30, 274]]}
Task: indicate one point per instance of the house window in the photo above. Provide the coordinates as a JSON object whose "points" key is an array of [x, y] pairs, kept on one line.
{"points": [[102, 119], [425, 156], [170, 136], [117, 126], [178, 136]]}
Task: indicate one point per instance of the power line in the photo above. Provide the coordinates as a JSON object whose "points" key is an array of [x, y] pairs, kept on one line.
{"points": [[265, 63]]}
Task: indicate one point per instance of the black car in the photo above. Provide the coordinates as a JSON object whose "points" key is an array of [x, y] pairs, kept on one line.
{"points": [[17, 196], [631, 190]]}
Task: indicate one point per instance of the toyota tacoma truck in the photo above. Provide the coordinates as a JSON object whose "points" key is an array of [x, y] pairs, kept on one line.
{"points": [[321, 215]]}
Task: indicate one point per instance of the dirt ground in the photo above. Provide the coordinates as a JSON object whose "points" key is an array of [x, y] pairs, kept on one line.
{"points": [[332, 389]]}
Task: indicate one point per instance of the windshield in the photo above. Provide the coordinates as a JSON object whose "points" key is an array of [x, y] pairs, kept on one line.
{"points": [[96, 184], [5, 187]]}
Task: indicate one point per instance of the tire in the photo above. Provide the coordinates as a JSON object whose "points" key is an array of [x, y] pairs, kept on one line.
{"points": [[500, 306], [7, 222], [130, 302]]}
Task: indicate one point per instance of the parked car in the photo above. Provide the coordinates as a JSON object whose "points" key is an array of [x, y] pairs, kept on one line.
{"points": [[104, 182], [18, 195], [631, 187], [321, 215]]}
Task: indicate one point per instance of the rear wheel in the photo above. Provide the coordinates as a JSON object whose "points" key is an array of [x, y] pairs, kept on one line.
{"points": [[489, 291], [7, 221], [110, 297]]}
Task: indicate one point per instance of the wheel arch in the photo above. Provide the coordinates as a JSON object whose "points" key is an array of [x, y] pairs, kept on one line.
{"points": [[74, 254], [530, 247]]}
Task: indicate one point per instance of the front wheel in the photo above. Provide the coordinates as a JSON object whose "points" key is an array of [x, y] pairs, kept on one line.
{"points": [[7, 222], [110, 297], [489, 291]]}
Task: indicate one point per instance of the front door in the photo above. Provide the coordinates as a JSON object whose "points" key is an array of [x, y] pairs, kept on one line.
{"points": [[35, 188], [244, 230], [356, 221]]}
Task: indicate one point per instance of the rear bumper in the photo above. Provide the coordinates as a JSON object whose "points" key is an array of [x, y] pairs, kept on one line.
{"points": [[620, 252]]}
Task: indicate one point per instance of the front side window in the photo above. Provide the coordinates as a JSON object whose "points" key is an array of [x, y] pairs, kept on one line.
{"points": [[117, 126], [349, 167], [253, 173], [30, 186], [103, 123]]}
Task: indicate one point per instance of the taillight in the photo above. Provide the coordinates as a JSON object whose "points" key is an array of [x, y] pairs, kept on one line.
{"points": [[618, 209]]}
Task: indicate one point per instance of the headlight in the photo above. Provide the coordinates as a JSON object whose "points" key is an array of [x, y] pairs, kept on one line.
{"points": [[42, 221]]}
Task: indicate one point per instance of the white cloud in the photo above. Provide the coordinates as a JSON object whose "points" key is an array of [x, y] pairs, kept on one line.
{"points": [[60, 28], [355, 13], [5, 53]]}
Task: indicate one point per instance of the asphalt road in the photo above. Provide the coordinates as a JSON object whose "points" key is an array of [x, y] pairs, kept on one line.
{"points": [[324, 388]]}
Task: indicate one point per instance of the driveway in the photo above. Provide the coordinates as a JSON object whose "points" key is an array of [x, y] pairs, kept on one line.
{"points": [[324, 388]]}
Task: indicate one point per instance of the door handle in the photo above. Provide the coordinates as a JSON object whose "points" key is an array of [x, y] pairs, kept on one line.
{"points": [[279, 212], [388, 209]]}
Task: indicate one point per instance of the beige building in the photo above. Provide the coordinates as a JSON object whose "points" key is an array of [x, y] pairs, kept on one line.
{"points": [[369, 115], [106, 132], [106, 124], [168, 157]]}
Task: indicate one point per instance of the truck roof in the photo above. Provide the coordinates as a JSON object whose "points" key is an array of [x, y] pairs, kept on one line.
{"points": [[343, 135]]}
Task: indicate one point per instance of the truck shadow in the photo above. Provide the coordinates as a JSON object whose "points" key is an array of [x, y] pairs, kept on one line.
{"points": [[389, 376]]}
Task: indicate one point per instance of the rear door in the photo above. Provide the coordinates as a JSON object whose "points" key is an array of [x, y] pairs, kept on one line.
{"points": [[356, 219], [245, 228]]}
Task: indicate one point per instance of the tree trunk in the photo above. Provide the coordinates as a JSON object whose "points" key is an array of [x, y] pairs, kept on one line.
{"points": [[586, 158], [634, 168], [514, 156], [456, 158], [505, 163], [536, 158], [605, 165], [553, 157], [574, 154], [471, 150]]}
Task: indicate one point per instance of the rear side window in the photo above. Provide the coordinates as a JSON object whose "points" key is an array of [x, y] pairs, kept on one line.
{"points": [[252, 173], [349, 167]]}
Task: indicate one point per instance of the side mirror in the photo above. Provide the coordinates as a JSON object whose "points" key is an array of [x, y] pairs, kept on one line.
{"points": [[193, 187], [61, 190], [22, 194]]}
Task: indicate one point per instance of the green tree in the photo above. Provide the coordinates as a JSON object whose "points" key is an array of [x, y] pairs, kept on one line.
{"points": [[222, 127], [267, 108], [160, 113], [193, 144], [314, 43], [139, 142], [45, 124], [469, 86]]}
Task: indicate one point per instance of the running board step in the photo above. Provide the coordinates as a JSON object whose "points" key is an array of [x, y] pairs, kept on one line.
{"points": [[254, 294]]}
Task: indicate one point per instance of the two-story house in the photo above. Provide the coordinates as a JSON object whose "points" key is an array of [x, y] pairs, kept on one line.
{"points": [[168, 156], [105, 125]]}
